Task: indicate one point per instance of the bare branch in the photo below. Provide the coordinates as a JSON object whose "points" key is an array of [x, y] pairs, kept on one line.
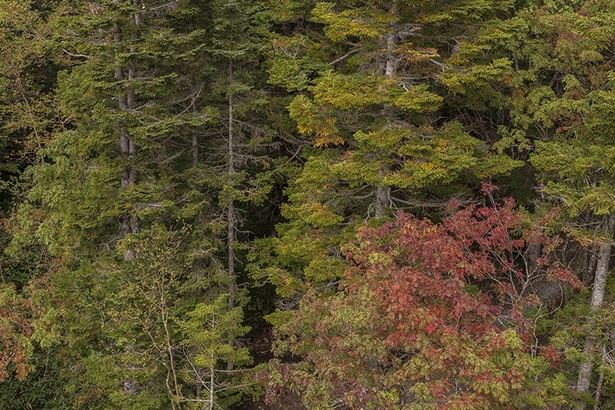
{"points": [[345, 56]]}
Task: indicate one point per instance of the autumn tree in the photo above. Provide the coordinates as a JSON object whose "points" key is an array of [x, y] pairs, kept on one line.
{"points": [[428, 316]]}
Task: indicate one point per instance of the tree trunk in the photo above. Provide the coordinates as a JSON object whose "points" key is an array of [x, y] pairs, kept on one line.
{"points": [[195, 150], [600, 382], [126, 102], [231, 213], [172, 371], [599, 288], [212, 372], [383, 198], [128, 149]]}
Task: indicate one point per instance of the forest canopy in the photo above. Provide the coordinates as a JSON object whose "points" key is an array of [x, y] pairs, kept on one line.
{"points": [[352, 204]]}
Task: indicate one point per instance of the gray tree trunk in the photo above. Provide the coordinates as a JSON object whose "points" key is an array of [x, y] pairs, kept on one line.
{"points": [[383, 198], [126, 102], [231, 216], [598, 291]]}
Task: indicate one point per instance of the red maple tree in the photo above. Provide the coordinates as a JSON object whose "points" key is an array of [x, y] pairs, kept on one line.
{"points": [[429, 315]]}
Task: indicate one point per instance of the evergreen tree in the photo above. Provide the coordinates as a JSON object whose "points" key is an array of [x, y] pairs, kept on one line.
{"points": [[135, 214], [371, 98], [146, 145]]}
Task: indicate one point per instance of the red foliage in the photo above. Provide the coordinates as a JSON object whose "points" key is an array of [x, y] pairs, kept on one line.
{"points": [[15, 330], [428, 313]]}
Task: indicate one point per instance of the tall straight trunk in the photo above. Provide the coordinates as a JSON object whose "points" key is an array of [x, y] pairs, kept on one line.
{"points": [[128, 148], [231, 221], [128, 177], [598, 291], [231, 212], [212, 372], [391, 63], [195, 150], [382, 193]]}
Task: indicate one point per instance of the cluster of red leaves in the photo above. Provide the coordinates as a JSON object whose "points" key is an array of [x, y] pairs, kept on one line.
{"points": [[418, 319], [15, 331]]}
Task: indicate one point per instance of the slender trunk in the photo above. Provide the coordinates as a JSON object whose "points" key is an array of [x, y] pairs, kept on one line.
{"points": [[195, 162], [128, 148], [128, 176], [383, 201], [231, 252], [195, 139], [391, 64], [212, 372], [231, 213], [195, 150], [169, 390], [211, 387], [164, 313], [600, 381], [598, 291]]}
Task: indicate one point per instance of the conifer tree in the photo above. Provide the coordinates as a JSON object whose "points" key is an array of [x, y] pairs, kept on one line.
{"points": [[28, 118], [371, 95], [133, 204]]}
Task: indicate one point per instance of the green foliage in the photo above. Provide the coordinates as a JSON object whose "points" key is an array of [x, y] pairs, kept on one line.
{"points": [[365, 78], [209, 332], [210, 328], [43, 388], [132, 240], [155, 153]]}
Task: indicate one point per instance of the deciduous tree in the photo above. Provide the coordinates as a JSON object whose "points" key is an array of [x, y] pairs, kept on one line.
{"points": [[428, 316]]}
